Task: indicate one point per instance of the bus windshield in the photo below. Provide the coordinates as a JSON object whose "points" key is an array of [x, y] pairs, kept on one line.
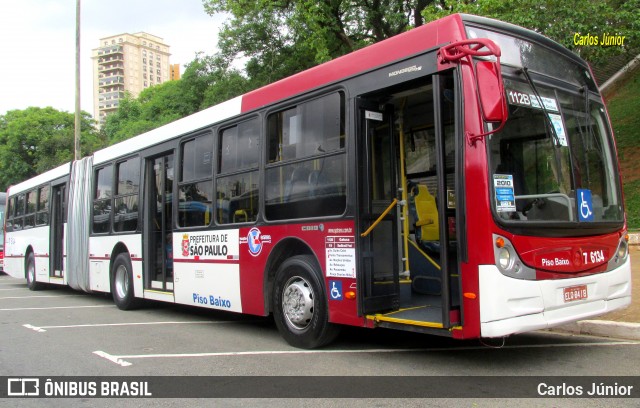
{"points": [[554, 160]]}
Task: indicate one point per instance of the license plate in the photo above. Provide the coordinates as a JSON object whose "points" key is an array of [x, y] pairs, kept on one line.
{"points": [[574, 293]]}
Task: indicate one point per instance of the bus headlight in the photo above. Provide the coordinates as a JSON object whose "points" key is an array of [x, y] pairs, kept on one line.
{"points": [[508, 261], [504, 258], [621, 254], [623, 250]]}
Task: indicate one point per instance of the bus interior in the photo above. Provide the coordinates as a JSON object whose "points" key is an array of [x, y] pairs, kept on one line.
{"points": [[410, 133]]}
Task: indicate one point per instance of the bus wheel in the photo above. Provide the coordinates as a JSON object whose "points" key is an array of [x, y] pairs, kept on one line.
{"points": [[31, 273], [122, 283], [299, 304]]}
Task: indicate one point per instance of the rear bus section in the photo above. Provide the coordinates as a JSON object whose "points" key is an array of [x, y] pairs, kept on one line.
{"points": [[34, 227]]}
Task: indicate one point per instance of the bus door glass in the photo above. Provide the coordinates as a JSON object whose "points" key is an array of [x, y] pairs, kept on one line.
{"points": [[58, 215], [429, 161], [380, 260], [159, 202]]}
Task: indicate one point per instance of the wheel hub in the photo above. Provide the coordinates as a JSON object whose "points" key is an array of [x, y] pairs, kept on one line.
{"points": [[297, 303], [122, 282]]}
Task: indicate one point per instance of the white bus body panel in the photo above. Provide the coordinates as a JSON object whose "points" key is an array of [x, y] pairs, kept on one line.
{"points": [[207, 269], [15, 252], [100, 250], [509, 306]]}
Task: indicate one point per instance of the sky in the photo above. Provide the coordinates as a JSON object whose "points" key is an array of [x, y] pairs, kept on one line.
{"points": [[37, 43]]}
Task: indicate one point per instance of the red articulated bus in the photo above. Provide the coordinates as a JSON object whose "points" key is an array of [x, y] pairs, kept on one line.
{"points": [[459, 179]]}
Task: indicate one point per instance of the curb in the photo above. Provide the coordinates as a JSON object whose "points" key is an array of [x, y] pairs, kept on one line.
{"points": [[603, 328]]}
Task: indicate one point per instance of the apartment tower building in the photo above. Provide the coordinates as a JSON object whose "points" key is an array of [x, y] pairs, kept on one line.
{"points": [[126, 63]]}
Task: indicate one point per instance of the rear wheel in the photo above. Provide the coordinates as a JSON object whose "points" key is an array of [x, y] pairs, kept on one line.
{"points": [[122, 283], [31, 273], [300, 307]]}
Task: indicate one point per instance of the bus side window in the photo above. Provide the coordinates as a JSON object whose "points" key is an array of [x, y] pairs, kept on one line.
{"points": [[42, 214], [306, 174], [18, 221], [125, 217], [237, 181], [195, 190], [30, 215], [102, 199]]}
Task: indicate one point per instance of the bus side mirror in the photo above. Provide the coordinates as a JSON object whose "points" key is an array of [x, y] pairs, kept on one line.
{"points": [[491, 91]]}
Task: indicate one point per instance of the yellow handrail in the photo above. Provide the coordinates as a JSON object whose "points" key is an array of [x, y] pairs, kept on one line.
{"points": [[384, 214]]}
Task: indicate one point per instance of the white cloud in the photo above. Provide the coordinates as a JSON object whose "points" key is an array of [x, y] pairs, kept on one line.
{"points": [[37, 43]]}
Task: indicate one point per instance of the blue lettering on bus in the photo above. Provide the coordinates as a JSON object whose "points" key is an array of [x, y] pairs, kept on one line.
{"points": [[202, 300], [220, 302], [211, 300]]}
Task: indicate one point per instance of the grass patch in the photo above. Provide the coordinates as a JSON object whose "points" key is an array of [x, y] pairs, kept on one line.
{"points": [[623, 106], [624, 109], [632, 203]]}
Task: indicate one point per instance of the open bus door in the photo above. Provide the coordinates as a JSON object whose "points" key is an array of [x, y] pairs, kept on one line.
{"points": [[407, 161], [57, 238], [379, 215], [159, 173]]}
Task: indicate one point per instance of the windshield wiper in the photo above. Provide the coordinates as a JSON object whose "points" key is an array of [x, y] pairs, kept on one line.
{"points": [[556, 138]]}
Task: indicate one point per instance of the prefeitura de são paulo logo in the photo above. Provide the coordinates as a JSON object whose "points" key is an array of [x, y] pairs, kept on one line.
{"points": [[256, 241], [185, 245]]}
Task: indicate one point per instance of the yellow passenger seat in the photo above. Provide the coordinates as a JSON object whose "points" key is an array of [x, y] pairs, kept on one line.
{"points": [[423, 208]]}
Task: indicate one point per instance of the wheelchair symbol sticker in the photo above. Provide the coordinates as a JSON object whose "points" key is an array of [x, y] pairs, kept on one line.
{"points": [[585, 205], [335, 290]]}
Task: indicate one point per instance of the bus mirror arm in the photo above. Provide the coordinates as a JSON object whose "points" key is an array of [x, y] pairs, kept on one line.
{"points": [[488, 76], [454, 52]]}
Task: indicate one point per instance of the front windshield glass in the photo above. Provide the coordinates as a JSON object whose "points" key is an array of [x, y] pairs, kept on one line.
{"points": [[553, 160]]}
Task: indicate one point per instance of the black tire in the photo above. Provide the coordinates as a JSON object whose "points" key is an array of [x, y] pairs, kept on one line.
{"points": [[122, 283], [300, 307], [30, 273]]}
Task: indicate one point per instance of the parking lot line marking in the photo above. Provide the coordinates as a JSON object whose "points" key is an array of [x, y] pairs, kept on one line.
{"points": [[122, 360], [38, 296], [41, 329], [54, 307], [13, 289], [112, 358]]}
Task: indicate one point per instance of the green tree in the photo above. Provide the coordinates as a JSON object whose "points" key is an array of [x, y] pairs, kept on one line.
{"points": [[282, 37], [209, 80], [35, 140], [125, 122]]}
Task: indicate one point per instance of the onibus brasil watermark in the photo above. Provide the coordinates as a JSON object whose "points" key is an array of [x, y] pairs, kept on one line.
{"points": [[33, 387]]}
